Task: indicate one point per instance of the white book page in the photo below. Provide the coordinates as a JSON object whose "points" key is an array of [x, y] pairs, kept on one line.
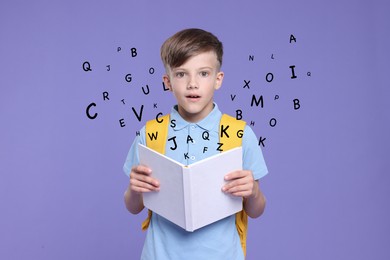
{"points": [[169, 201], [209, 202]]}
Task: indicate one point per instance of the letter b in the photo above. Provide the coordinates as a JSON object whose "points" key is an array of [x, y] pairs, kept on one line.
{"points": [[133, 52], [297, 105], [238, 114]]}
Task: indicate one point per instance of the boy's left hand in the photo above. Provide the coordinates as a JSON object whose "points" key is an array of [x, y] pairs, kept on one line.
{"points": [[240, 183]]}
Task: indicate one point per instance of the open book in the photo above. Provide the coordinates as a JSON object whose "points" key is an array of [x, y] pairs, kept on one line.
{"points": [[191, 196]]}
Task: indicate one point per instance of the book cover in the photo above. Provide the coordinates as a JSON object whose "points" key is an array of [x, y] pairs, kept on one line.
{"points": [[191, 196]]}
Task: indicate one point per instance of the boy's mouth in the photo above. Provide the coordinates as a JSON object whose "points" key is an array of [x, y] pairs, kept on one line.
{"points": [[192, 97]]}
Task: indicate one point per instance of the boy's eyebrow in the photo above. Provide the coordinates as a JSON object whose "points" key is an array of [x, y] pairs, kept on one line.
{"points": [[177, 68], [201, 68]]}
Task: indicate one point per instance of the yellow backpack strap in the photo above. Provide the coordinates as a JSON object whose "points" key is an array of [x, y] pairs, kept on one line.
{"points": [[242, 228], [146, 222], [231, 131], [156, 131]]}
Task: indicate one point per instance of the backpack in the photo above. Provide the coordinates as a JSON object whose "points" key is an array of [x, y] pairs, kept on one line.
{"points": [[229, 142]]}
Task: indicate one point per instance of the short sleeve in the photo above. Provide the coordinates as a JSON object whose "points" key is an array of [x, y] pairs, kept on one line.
{"points": [[253, 159], [132, 158]]}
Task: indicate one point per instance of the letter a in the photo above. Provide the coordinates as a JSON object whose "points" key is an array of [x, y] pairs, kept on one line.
{"points": [[292, 38]]}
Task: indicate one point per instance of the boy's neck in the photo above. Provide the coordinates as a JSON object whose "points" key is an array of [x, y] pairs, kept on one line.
{"points": [[192, 119]]}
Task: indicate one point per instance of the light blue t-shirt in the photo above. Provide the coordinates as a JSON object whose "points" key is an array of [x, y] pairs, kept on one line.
{"points": [[188, 143]]}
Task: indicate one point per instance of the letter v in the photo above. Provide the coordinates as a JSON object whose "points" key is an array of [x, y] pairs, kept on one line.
{"points": [[139, 117]]}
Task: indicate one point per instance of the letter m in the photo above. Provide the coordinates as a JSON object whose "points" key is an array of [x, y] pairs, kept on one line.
{"points": [[257, 101]]}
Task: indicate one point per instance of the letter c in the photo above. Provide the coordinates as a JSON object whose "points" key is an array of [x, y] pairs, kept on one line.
{"points": [[158, 116], [87, 111]]}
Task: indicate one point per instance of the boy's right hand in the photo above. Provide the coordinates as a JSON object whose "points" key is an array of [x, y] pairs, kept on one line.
{"points": [[141, 180]]}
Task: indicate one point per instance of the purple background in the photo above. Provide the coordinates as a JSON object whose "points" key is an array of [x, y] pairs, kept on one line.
{"points": [[61, 179]]}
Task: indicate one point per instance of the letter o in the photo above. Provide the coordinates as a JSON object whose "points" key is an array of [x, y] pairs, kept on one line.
{"points": [[272, 77], [272, 122]]}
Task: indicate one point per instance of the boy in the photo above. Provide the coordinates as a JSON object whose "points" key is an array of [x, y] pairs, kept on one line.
{"points": [[192, 60]]}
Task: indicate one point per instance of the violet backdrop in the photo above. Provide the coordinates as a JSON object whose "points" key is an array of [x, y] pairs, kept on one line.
{"points": [[61, 179]]}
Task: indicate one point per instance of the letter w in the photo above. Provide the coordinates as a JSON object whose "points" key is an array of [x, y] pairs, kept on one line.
{"points": [[153, 136]]}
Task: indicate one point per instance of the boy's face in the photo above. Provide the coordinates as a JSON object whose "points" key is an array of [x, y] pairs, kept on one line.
{"points": [[193, 85]]}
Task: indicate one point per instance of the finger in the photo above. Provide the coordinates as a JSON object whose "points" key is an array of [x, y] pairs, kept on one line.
{"points": [[237, 174], [234, 175], [243, 194], [144, 179], [142, 190], [141, 169], [240, 191], [142, 186], [238, 186], [238, 182]]}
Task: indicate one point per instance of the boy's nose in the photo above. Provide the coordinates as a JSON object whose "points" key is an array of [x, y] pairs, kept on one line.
{"points": [[192, 83]]}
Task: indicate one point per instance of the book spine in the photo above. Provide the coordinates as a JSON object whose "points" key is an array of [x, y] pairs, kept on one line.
{"points": [[187, 199]]}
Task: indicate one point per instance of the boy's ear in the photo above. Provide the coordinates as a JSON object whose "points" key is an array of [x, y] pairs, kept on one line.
{"points": [[167, 82], [218, 80]]}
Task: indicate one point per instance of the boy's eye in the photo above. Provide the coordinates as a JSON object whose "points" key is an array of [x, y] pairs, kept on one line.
{"points": [[179, 74], [204, 73]]}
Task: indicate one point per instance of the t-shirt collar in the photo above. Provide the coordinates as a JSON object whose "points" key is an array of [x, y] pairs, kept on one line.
{"points": [[207, 123]]}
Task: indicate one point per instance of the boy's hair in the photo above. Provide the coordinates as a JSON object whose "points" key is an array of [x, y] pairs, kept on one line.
{"points": [[187, 43]]}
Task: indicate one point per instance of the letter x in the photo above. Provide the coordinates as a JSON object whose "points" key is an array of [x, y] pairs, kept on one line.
{"points": [[246, 83]]}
